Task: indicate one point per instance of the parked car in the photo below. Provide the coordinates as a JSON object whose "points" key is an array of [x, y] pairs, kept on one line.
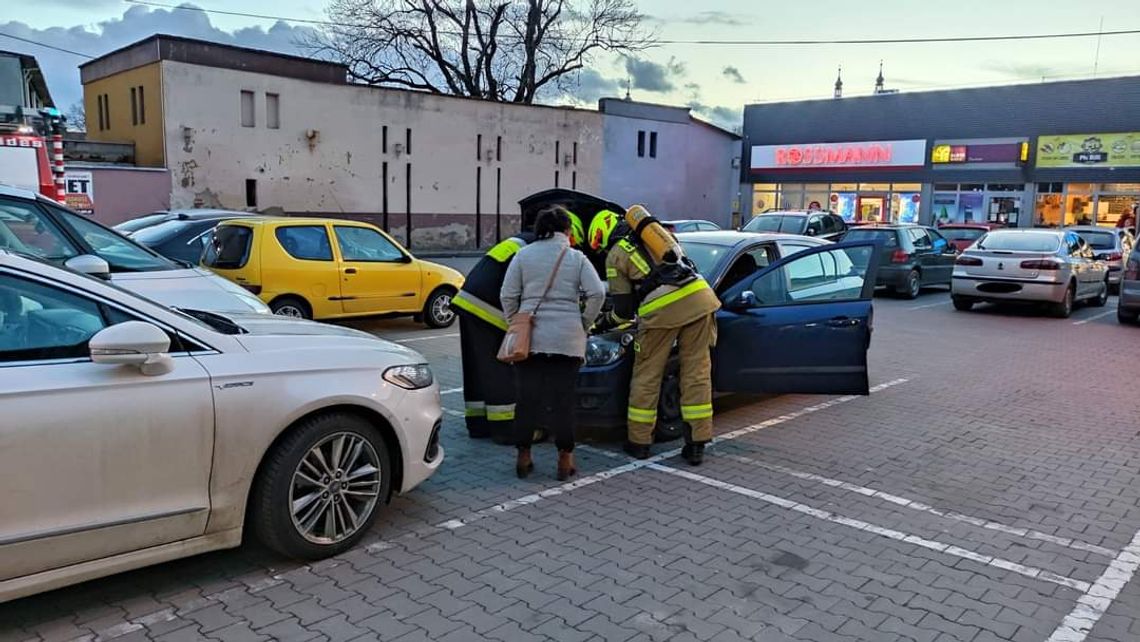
{"points": [[129, 227], [134, 433], [330, 269], [1055, 267], [963, 235], [821, 224], [35, 226], [796, 318], [182, 239], [914, 257], [1128, 307], [1109, 244], [690, 225]]}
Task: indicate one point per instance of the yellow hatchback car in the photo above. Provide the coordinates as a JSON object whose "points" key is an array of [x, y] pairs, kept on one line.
{"points": [[330, 269]]}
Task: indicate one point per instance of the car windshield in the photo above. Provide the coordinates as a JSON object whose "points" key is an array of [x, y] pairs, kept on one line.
{"points": [[961, 233], [789, 224], [1020, 242], [121, 253], [706, 255], [1099, 240], [888, 236], [136, 224]]}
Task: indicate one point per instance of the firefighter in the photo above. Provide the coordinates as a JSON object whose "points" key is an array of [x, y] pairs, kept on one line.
{"points": [[673, 304], [488, 384]]}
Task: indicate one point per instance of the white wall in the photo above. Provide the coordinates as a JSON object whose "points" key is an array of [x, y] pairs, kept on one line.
{"points": [[339, 169]]}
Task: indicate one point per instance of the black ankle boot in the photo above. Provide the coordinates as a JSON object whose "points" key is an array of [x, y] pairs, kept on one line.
{"points": [[637, 451], [693, 453]]}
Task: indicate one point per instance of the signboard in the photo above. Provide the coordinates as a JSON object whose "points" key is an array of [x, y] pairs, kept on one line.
{"points": [[885, 154], [954, 154], [80, 192], [1089, 150]]}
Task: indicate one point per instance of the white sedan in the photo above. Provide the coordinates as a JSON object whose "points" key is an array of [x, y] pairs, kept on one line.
{"points": [[132, 433]]}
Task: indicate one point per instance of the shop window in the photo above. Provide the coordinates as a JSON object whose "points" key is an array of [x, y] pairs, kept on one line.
{"points": [[1121, 187], [946, 187], [1050, 188], [907, 187], [763, 202], [1047, 210], [1078, 209], [1110, 208], [972, 187], [845, 187], [1005, 187], [945, 208], [971, 207], [874, 187], [765, 187], [816, 200], [905, 207]]}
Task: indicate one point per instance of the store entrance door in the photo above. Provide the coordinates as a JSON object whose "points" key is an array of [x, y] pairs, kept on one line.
{"points": [[872, 208], [1003, 210]]}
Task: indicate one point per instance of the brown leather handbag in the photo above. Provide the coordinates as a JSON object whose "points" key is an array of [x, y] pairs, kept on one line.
{"points": [[516, 344]]}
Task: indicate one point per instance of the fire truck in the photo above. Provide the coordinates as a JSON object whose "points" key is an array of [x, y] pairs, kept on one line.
{"points": [[31, 151]]}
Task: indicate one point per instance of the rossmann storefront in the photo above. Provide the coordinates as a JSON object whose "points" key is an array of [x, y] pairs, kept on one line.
{"points": [[1053, 154]]}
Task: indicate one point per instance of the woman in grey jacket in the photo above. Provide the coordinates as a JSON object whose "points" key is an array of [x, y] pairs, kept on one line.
{"points": [[547, 381]]}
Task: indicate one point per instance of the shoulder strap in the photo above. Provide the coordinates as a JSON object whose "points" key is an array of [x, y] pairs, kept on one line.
{"points": [[550, 281]]}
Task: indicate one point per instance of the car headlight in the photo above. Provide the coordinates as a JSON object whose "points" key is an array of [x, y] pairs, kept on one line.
{"points": [[603, 350], [411, 377]]}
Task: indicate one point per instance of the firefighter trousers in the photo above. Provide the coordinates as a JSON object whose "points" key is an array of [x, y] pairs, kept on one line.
{"points": [[653, 347], [488, 384]]}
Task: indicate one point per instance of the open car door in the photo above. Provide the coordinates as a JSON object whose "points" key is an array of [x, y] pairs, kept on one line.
{"points": [[800, 325]]}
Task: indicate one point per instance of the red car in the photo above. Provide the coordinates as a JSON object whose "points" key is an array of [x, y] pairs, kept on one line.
{"points": [[963, 235]]}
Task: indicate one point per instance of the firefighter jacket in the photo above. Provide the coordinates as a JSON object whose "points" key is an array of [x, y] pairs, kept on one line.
{"points": [[667, 305], [479, 296]]}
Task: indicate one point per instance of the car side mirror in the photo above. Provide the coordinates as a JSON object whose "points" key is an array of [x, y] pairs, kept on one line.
{"points": [[746, 300], [133, 343], [406, 259], [90, 265]]}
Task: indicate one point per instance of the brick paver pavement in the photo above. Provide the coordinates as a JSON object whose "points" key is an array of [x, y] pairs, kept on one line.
{"points": [[983, 492]]}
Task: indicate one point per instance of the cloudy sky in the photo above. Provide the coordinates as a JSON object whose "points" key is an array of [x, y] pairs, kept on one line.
{"points": [[717, 80]]}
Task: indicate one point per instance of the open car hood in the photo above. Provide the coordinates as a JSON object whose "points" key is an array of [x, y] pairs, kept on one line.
{"points": [[583, 204]]}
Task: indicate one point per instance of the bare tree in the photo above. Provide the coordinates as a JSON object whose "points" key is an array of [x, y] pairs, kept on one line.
{"points": [[501, 50], [76, 118]]}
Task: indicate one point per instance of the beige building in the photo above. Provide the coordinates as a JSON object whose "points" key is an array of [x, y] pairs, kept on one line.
{"points": [[247, 129]]}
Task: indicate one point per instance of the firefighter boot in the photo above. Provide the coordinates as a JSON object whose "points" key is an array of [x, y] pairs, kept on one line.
{"points": [[566, 467], [637, 451], [693, 453], [524, 464]]}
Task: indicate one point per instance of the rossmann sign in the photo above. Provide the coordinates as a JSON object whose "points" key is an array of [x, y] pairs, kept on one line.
{"points": [[879, 154]]}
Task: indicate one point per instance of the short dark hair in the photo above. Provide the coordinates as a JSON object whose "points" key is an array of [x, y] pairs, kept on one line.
{"points": [[550, 220]]}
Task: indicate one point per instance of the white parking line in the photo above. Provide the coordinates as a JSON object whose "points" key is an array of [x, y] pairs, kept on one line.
{"points": [[428, 338], [450, 391], [455, 413], [1095, 602], [828, 516], [1094, 317], [925, 508], [929, 305]]}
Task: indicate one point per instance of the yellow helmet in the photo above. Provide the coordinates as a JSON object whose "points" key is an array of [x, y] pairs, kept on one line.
{"points": [[601, 227], [577, 234]]}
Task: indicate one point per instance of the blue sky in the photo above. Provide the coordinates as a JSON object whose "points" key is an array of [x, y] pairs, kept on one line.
{"points": [[720, 79]]}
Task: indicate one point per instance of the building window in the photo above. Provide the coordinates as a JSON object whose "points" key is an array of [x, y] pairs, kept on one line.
{"points": [[134, 106], [273, 111], [408, 141], [575, 152], [142, 106], [251, 192], [248, 119], [498, 148], [384, 193], [556, 178], [640, 144], [478, 194], [557, 152], [653, 144], [479, 147], [574, 180], [384, 142], [102, 116]]}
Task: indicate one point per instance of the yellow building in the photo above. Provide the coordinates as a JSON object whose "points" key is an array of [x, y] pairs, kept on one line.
{"points": [[122, 97]]}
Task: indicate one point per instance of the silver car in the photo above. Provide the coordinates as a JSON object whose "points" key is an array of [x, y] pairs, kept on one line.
{"points": [[1109, 244], [1128, 307], [1056, 267]]}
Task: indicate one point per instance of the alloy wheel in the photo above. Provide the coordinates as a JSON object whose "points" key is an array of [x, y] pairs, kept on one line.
{"points": [[335, 488], [289, 310], [441, 310]]}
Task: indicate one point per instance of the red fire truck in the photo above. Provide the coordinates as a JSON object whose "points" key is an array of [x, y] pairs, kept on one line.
{"points": [[31, 154]]}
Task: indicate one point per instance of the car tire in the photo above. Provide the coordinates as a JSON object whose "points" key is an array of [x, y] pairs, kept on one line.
{"points": [[913, 285], [291, 306], [962, 304], [1101, 299], [1064, 309], [288, 474], [670, 426], [437, 311], [1126, 317]]}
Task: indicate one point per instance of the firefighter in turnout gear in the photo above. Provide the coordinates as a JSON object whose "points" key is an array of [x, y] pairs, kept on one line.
{"points": [[488, 384], [673, 304]]}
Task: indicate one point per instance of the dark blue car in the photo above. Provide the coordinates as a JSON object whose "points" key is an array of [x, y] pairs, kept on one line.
{"points": [[796, 318]]}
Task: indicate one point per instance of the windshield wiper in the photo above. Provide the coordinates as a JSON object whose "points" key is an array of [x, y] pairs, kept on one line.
{"points": [[215, 321]]}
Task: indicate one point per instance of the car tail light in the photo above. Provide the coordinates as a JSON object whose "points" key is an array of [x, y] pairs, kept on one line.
{"points": [[256, 289], [1112, 256], [968, 260], [1041, 264], [1132, 270], [899, 256]]}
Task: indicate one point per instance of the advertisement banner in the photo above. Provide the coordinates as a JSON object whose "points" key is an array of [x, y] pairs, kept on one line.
{"points": [[80, 194], [1089, 150]]}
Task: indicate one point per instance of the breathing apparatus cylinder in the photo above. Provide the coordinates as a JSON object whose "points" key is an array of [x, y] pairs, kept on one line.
{"points": [[662, 247]]}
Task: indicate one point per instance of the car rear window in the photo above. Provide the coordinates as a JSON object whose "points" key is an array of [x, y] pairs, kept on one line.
{"points": [[1099, 240], [961, 233], [776, 223], [888, 237], [229, 249], [1020, 242]]}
